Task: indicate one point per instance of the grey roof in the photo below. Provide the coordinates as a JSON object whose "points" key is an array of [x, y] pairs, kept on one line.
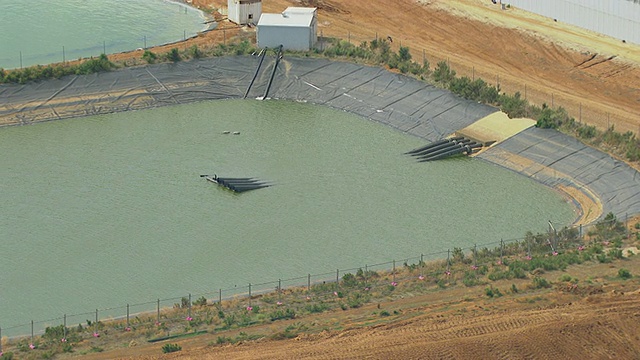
{"points": [[286, 19]]}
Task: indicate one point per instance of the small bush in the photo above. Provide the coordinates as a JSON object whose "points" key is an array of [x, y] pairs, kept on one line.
{"points": [[149, 56], [282, 314], [624, 274], [540, 282], [384, 313], [169, 348], [174, 55], [201, 301]]}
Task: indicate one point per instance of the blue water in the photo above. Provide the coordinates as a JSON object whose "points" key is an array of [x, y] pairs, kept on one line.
{"points": [[36, 31]]}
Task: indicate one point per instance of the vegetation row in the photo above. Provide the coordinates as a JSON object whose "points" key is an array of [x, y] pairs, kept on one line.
{"points": [[377, 52]]}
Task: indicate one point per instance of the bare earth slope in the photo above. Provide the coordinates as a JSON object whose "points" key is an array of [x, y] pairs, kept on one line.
{"points": [[597, 321], [595, 77]]}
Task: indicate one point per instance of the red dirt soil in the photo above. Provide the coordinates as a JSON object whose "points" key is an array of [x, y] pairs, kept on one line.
{"points": [[595, 77]]}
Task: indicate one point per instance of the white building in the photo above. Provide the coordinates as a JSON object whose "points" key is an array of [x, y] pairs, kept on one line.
{"points": [[296, 28], [617, 18], [244, 11]]}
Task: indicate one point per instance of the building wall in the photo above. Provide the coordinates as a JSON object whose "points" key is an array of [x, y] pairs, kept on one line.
{"points": [[244, 11], [617, 18], [292, 38]]}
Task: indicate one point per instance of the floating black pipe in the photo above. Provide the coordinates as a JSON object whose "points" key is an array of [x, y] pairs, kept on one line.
{"points": [[433, 144], [275, 67], [264, 52], [248, 188], [436, 148], [457, 150], [447, 154], [449, 146], [437, 154], [428, 146]]}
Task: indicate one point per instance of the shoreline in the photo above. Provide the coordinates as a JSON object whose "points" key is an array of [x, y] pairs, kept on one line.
{"points": [[74, 97]]}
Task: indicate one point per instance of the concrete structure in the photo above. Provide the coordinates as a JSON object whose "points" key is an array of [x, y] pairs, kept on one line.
{"points": [[296, 28], [617, 18], [244, 11]]}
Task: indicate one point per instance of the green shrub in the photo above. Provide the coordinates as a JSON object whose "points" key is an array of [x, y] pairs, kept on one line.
{"points": [[194, 52], [201, 301], [149, 56], [443, 73], [174, 55], [491, 292], [169, 348], [317, 307], [349, 280], [624, 274], [282, 314], [540, 282]]}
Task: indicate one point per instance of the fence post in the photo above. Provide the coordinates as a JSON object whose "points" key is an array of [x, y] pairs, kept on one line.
{"points": [[64, 327], [475, 254], [580, 231], [580, 113], [190, 304], [501, 250], [158, 312], [20, 59], [249, 294], [366, 270], [448, 261], [95, 324], [104, 47], [63, 55], [220, 296], [337, 278], [127, 315], [626, 225], [31, 331], [279, 288], [394, 271], [528, 248], [308, 282]]}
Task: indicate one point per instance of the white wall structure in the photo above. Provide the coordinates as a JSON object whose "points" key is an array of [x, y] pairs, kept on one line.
{"points": [[244, 11], [296, 28], [617, 18]]}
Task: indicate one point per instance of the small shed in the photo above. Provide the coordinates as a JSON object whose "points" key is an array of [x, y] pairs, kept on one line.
{"points": [[244, 12], [296, 28]]}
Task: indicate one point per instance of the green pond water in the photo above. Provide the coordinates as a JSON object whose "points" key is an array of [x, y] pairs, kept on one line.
{"points": [[107, 210], [43, 31]]}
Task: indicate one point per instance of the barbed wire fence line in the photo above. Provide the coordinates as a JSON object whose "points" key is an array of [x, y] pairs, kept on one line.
{"points": [[223, 308]]}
